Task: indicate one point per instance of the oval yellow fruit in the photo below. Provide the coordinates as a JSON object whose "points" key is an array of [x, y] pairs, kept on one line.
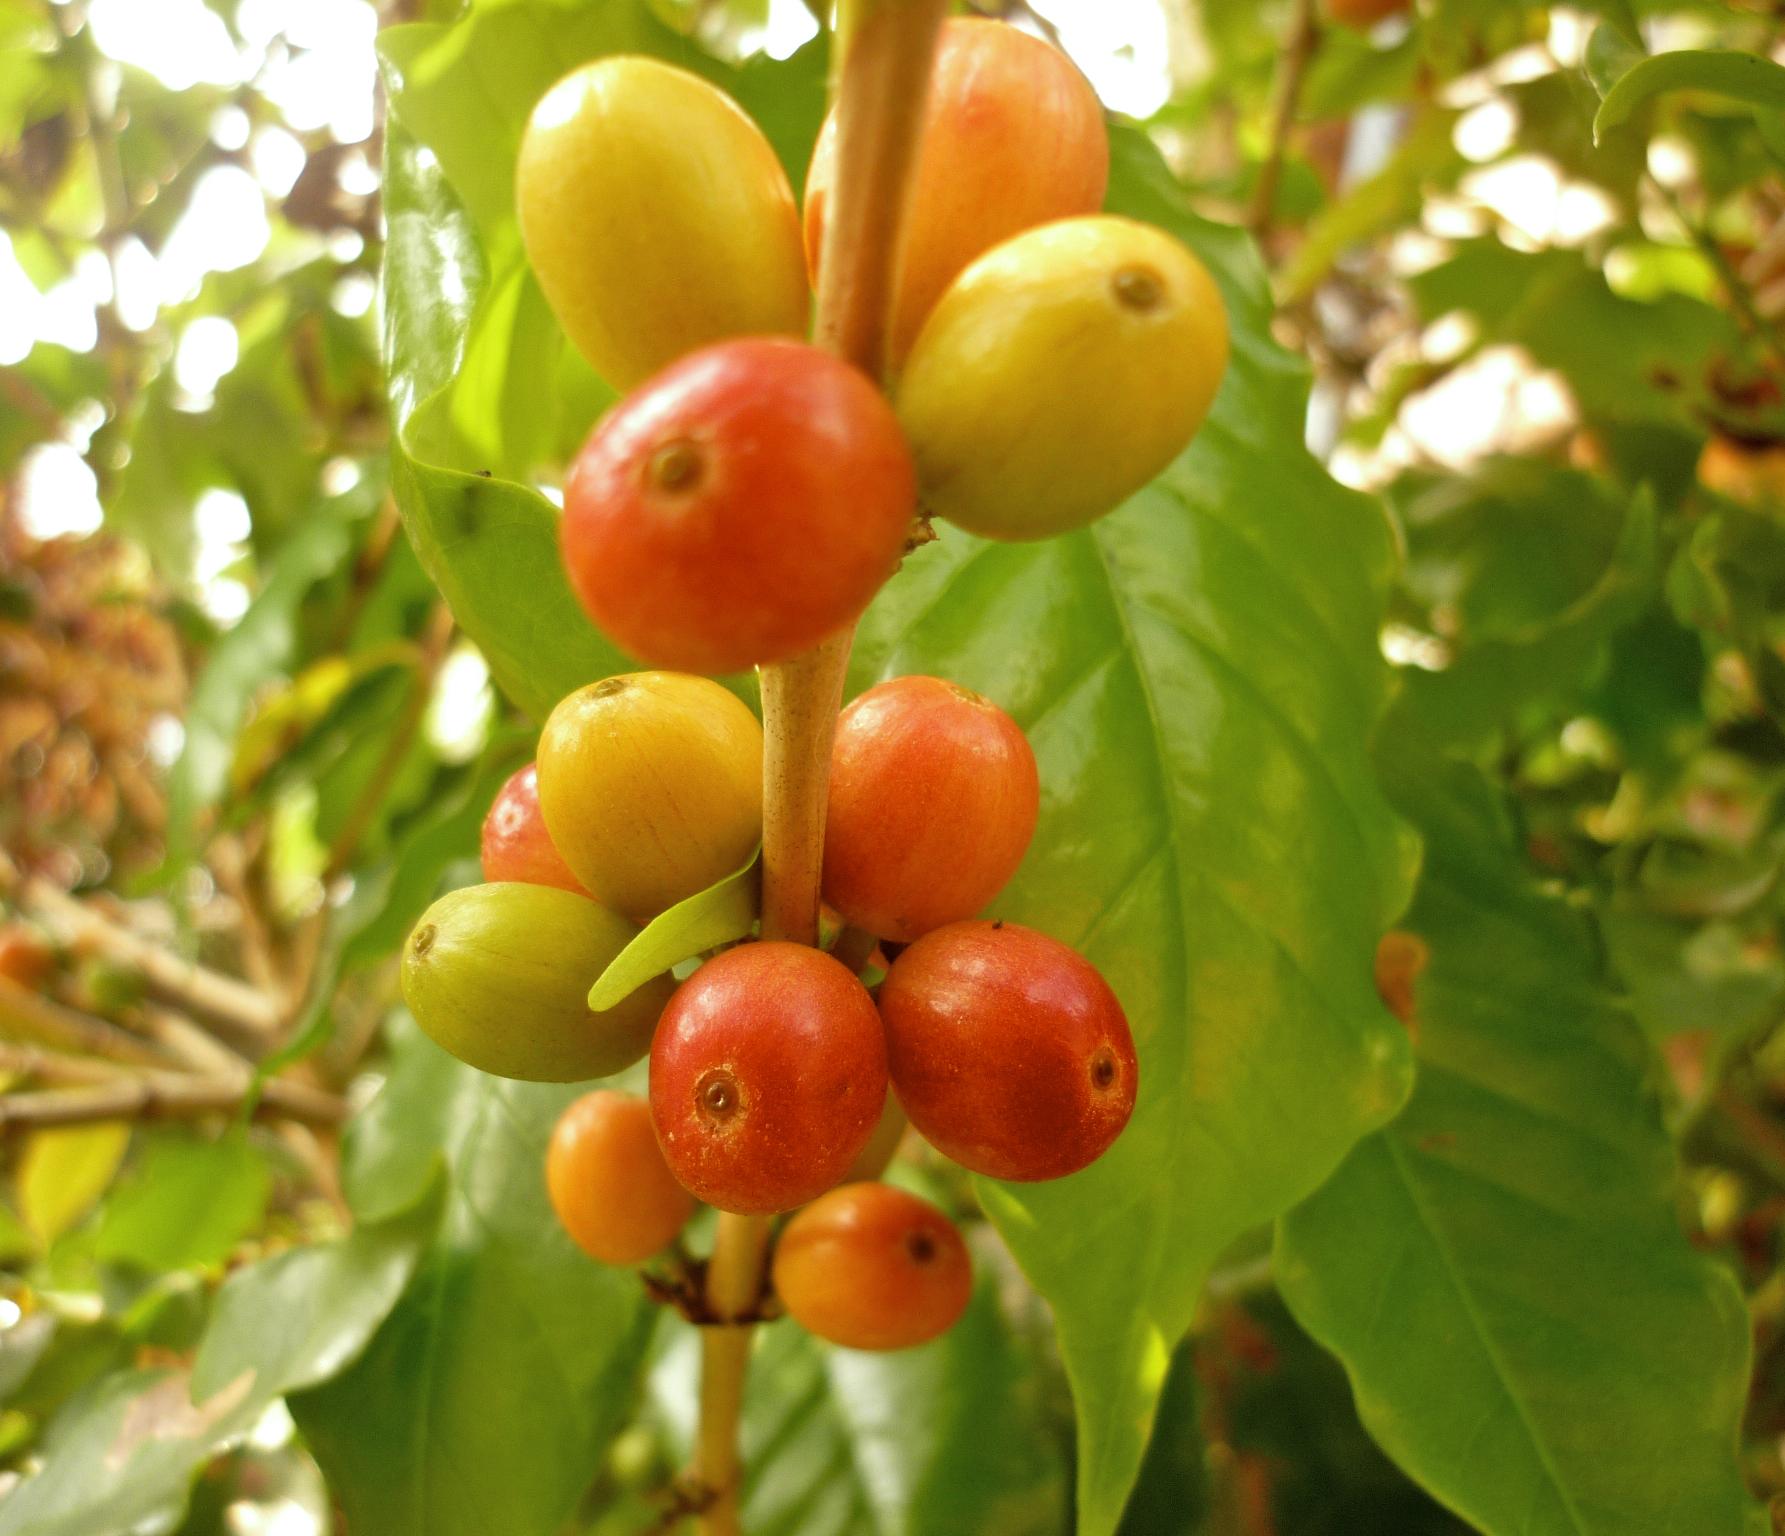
{"points": [[657, 217], [1060, 373], [499, 975], [651, 785]]}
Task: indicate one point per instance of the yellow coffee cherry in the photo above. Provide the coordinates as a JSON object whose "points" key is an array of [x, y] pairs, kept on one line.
{"points": [[651, 785], [657, 217], [499, 975], [1060, 373]]}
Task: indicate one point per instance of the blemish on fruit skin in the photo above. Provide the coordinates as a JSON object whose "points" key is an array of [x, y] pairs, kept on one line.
{"points": [[1138, 288], [423, 940]]}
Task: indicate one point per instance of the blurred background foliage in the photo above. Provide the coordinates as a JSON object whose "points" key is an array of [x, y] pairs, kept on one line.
{"points": [[241, 744]]}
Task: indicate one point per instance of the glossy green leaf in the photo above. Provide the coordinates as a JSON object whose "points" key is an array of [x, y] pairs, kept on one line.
{"points": [[187, 1201], [1527, 1330], [485, 1399], [297, 1319], [936, 1441], [1745, 77], [1611, 55], [721, 914], [1199, 676]]}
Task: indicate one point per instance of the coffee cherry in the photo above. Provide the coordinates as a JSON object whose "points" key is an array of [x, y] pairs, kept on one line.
{"points": [[1013, 137], [739, 507], [1009, 1052], [499, 975], [651, 786], [1364, 13], [768, 1074], [1061, 373], [516, 845], [657, 217], [870, 1267], [608, 1182], [933, 801]]}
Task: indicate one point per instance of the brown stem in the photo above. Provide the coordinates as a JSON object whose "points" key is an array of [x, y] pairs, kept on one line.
{"points": [[166, 1096], [1292, 71], [25, 1014], [886, 48], [194, 986]]}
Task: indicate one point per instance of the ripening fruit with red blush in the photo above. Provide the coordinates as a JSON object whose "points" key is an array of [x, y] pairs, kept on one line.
{"points": [[608, 1182], [933, 800], [768, 1076], [25, 958], [869, 1266], [1013, 137], [739, 507], [516, 845], [1008, 1050]]}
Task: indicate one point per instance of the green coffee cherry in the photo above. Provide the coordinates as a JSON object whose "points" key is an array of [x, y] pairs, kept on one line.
{"points": [[499, 975]]}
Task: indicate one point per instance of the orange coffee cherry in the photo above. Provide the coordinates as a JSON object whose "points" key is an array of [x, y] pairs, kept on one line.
{"points": [[608, 1181]]}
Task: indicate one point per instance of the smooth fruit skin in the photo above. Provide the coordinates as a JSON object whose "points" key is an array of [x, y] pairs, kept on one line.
{"points": [[1061, 373], [499, 975], [515, 843], [768, 1075], [739, 508], [869, 1266], [1008, 1050], [651, 787], [1013, 137], [933, 800], [657, 217], [608, 1182]]}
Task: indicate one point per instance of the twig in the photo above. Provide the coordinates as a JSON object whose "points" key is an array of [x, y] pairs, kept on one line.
{"points": [[198, 988], [165, 1096], [24, 1013], [886, 49], [1292, 71]]}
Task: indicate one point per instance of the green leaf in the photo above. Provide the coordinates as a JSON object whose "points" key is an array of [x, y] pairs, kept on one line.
{"points": [[1745, 77], [485, 1399], [1527, 1330], [1490, 683], [300, 1318], [186, 1203], [718, 915], [1611, 54], [121, 1457], [1199, 676], [62, 1173], [935, 1441], [489, 544]]}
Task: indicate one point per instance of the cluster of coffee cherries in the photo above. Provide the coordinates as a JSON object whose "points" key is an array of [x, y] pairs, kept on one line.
{"points": [[739, 506]]}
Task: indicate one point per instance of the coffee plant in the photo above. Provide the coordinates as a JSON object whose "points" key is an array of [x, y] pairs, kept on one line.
{"points": [[916, 770]]}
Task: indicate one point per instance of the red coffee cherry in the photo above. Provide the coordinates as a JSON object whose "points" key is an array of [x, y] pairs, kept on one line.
{"points": [[933, 801], [608, 1181], [1009, 1052], [768, 1074], [870, 1267], [738, 507], [516, 845], [1013, 137]]}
